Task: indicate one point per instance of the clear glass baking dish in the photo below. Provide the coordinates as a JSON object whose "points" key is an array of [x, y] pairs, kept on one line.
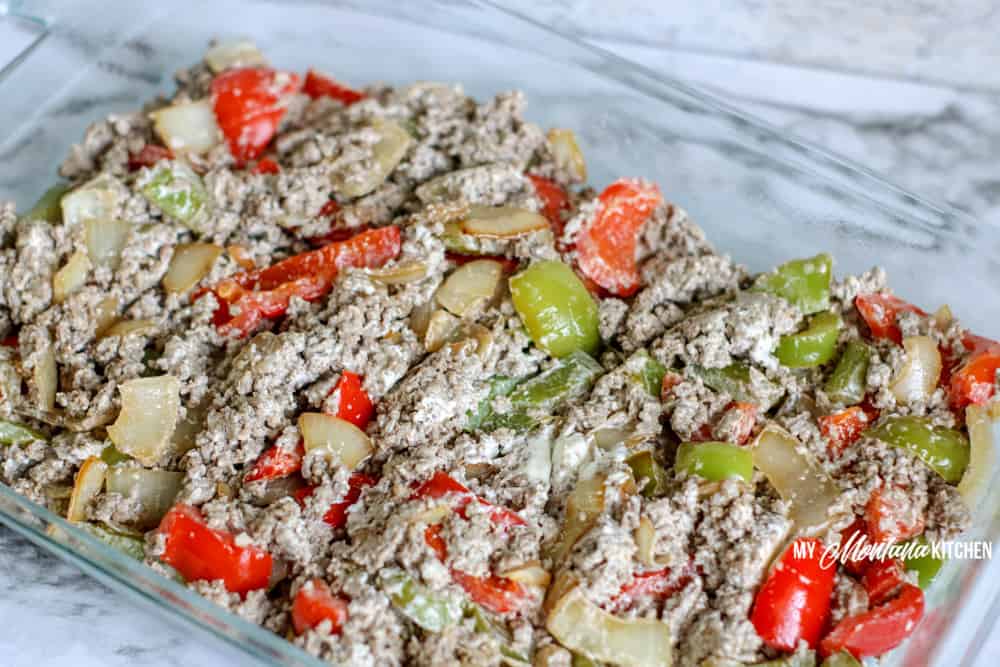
{"points": [[761, 195]]}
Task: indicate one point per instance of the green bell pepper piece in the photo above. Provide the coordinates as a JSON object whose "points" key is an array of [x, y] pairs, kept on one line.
{"points": [[841, 659], [557, 310], [649, 474], [945, 450], [736, 380], [814, 346], [430, 610], [715, 461], [177, 191], [545, 392], [500, 385], [580, 660], [804, 283], [926, 566], [651, 374], [12, 433], [130, 545], [49, 205], [113, 456], [847, 382]]}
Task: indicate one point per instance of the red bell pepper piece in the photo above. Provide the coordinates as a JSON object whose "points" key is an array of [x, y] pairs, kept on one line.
{"points": [[198, 552], [850, 538], [670, 380], [355, 406], [842, 429], [9, 341], [249, 104], [882, 580], [889, 516], [509, 264], [655, 584], [554, 202], [317, 85], [745, 420], [877, 630], [793, 604], [880, 311], [314, 603], [276, 462], [147, 156], [336, 516], [266, 166], [606, 245], [441, 485], [974, 382]]}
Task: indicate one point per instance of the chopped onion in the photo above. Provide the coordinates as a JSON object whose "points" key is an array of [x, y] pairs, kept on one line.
{"points": [[567, 153], [943, 317], [237, 53], [981, 421], [529, 574], [645, 541], [106, 239], [154, 489], [88, 483], [105, 315], [583, 507], [502, 222], [920, 373], [392, 145], [191, 262], [70, 277], [470, 286], [440, 328], [400, 274], [341, 440], [798, 479], [147, 418], [189, 127], [584, 628], [482, 335], [128, 327], [46, 379], [95, 200]]}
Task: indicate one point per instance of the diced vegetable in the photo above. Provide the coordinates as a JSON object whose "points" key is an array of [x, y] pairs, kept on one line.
{"points": [[127, 327], [980, 420], [400, 274], [499, 386], [470, 287], [797, 478], [567, 153], [793, 604], [70, 277], [877, 630], [336, 515], [804, 283], [974, 382], [235, 53], [814, 346], [88, 483], [441, 328], [583, 507], [743, 383], [652, 374], [847, 382], [187, 127], [840, 660], [843, 428], [148, 156], [891, 516], [148, 417], [656, 584], [715, 461], [645, 541], [275, 463], [249, 103], [94, 200], [497, 594], [176, 190], [585, 628], [918, 378], [926, 566], [430, 610], [105, 240], [314, 604], [557, 310], [442, 485], [799, 659], [390, 149], [501, 222], [190, 263], [339, 439], [880, 311], [554, 202], [606, 245], [131, 546], [355, 405], [198, 552], [154, 489], [48, 207], [882, 579], [318, 85], [529, 574], [650, 476], [12, 433], [112, 456], [45, 377], [945, 450], [105, 315]]}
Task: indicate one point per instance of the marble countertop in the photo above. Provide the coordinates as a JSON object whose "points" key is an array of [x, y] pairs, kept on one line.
{"points": [[909, 98]]}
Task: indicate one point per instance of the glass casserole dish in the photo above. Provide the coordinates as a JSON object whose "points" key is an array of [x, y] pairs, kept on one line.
{"points": [[760, 196]]}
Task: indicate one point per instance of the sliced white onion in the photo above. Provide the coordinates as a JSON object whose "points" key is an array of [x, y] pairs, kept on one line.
{"points": [[441, 326], [645, 541], [502, 222], [128, 327], [341, 440], [482, 336], [583, 507], [154, 489], [567, 153], [400, 274], [584, 628], [94, 200], [88, 483], [797, 478], [235, 53], [106, 239], [981, 421], [105, 315], [46, 379], [943, 317], [71, 276], [529, 574], [191, 262], [147, 418], [189, 127], [470, 287], [388, 151], [920, 373]]}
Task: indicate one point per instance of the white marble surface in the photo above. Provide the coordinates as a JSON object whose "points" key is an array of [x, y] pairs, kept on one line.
{"points": [[901, 87]]}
